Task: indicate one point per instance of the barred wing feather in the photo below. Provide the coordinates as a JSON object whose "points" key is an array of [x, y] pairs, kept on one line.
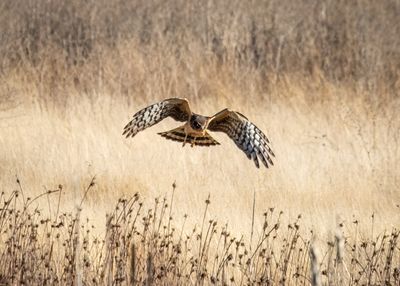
{"points": [[176, 108], [248, 137]]}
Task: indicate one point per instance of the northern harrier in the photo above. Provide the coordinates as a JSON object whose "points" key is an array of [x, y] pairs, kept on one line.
{"points": [[245, 134]]}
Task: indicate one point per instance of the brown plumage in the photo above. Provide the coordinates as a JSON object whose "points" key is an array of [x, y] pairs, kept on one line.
{"points": [[250, 139]]}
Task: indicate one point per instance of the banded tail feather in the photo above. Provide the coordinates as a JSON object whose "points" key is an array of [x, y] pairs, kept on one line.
{"points": [[179, 135]]}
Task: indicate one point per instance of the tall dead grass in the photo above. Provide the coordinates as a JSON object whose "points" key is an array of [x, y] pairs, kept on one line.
{"points": [[142, 246]]}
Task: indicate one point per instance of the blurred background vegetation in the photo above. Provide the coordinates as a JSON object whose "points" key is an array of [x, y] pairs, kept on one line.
{"points": [[70, 43]]}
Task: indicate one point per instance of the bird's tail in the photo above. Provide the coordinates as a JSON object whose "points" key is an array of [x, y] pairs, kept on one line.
{"points": [[179, 135]]}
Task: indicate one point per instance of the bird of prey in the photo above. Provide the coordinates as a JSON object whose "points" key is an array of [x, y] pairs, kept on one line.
{"points": [[251, 140]]}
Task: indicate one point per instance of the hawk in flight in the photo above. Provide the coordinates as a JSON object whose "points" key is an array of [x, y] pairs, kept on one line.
{"points": [[245, 134]]}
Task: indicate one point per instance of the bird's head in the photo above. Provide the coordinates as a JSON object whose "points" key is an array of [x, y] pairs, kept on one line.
{"points": [[198, 122]]}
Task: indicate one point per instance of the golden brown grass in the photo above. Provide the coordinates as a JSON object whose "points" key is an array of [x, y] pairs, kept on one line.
{"points": [[321, 79]]}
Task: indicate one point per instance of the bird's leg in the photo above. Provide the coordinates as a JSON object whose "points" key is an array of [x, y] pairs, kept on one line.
{"points": [[192, 143], [184, 141]]}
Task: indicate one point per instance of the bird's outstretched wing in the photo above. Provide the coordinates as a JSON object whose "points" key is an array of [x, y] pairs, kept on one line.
{"points": [[177, 108], [245, 134]]}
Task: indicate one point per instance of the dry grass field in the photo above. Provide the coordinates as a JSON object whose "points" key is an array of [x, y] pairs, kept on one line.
{"points": [[82, 205]]}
